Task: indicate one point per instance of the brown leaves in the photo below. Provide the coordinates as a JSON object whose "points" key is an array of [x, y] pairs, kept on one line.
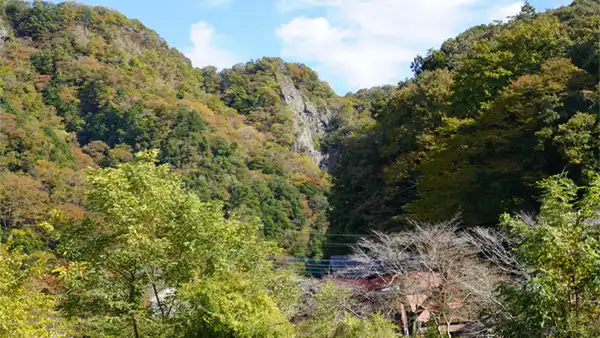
{"points": [[22, 200]]}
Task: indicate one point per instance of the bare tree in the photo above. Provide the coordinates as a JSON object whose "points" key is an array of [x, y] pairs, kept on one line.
{"points": [[436, 272]]}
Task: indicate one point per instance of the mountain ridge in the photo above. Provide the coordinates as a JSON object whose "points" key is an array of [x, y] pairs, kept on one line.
{"points": [[92, 86]]}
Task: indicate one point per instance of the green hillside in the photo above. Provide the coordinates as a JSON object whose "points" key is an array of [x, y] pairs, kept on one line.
{"points": [[489, 114], [86, 86], [143, 197]]}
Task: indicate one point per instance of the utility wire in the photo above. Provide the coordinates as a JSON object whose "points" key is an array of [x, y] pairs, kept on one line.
{"points": [[319, 233]]}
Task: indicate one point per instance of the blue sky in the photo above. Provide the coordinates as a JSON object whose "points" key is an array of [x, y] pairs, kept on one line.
{"points": [[351, 43]]}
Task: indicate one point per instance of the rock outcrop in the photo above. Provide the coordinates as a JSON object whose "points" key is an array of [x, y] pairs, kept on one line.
{"points": [[310, 121]]}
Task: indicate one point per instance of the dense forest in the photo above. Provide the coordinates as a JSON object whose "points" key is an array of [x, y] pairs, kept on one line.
{"points": [[493, 111], [143, 197]]}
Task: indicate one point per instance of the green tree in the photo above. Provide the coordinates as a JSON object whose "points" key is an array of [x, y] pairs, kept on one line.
{"points": [[185, 142], [146, 235], [491, 64], [499, 156], [43, 63], [276, 203], [527, 11], [36, 20], [25, 309], [559, 250]]}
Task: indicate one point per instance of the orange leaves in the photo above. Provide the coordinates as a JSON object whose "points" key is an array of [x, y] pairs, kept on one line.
{"points": [[67, 93], [71, 211], [9, 126], [296, 71], [41, 81], [91, 63], [23, 53], [23, 200]]}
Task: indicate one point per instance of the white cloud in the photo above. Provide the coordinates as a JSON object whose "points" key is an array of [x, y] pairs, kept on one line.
{"points": [[204, 52], [215, 3], [341, 52], [503, 12], [372, 42]]}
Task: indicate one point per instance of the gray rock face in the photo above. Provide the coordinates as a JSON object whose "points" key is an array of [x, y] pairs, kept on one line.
{"points": [[3, 33], [310, 122]]}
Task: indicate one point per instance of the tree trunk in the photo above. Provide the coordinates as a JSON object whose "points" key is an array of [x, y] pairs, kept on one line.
{"points": [[416, 326], [162, 312], [136, 332], [404, 321]]}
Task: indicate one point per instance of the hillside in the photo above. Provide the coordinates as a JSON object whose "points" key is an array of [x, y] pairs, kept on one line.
{"points": [[86, 86], [143, 197], [488, 115]]}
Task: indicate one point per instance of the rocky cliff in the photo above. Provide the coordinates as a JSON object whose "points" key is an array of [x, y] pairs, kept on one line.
{"points": [[310, 122], [286, 101]]}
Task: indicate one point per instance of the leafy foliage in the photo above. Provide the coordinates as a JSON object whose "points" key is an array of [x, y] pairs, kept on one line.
{"points": [[94, 85], [27, 311], [488, 115], [177, 241], [559, 249], [145, 234]]}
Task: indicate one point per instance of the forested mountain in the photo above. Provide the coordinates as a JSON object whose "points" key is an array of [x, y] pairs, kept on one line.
{"points": [[486, 116], [84, 86], [143, 197]]}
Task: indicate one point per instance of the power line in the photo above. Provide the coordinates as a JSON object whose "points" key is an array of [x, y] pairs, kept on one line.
{"points": [[344, 245], [340, 235], [320, 233], [320, 259], [311, 265], [283, 264]]}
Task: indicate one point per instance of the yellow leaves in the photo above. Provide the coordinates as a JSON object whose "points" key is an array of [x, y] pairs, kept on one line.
{"points": [[555, 75], [98, 48], [544, 34], [559, 70], [68, 93], [301, 169], [46, 226], [298, 179], [450, 125], [576, 137], [150, 156], [447, 130], [25, 311], [198, 106], [71, 270], [532, 100]]}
